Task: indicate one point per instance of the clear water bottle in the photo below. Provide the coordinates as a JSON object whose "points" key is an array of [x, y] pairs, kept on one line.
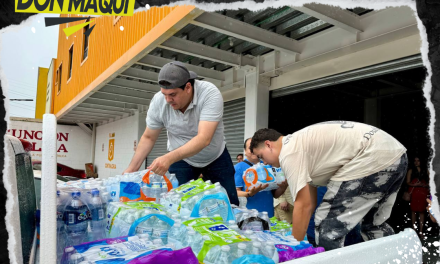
{"points": [[97, 223], [270, 251], [60, 227], [241, 251], [225, 256], [256, 248], [76, 258], [146, 227], [76, 220], [174, 181], [156, 185], [160, 230], [265, 217]]}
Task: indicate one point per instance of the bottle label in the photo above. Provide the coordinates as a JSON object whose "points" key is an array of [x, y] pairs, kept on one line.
{"points": [[76, 217], [160, 234], [155, 185]]}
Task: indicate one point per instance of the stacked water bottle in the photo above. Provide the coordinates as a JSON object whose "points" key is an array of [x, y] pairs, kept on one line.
{"points": [[263, 174], [80, 215], [186, 197]]}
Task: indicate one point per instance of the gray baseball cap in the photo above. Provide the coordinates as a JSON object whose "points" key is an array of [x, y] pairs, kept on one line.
{"points": [[192, 75], [173, 75]]}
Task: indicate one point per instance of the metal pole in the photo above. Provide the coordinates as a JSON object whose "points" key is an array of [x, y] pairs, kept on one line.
{"points": [[93, 145]]}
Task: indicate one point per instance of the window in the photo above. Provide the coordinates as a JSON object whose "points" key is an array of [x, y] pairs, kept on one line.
{"points": [[70, 61], [59, 74], [59, 169], [85, 42]]}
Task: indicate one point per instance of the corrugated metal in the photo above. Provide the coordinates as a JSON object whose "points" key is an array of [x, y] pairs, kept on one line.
{"points": [[160, 148], [107, 43], [233, 120], [367, 72]]}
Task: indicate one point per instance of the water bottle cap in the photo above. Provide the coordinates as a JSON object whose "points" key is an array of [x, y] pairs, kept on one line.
{"points": [[157, 241], [225, 248], [270, 243], [206, 193], [75, 256], [231, 222], [74, 194], [248, 232], [143, 236], [264, 212], [208, 182], [242, 246], [217, 215], [95, 192], [256, 244], [69, 249], [217, 184], [58, 193]]}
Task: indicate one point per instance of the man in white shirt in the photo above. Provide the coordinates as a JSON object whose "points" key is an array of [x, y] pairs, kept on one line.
{"points": [[192, 112], [362, 166]]}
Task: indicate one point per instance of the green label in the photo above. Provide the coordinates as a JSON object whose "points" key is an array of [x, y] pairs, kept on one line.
{"points": [[219, 235]]}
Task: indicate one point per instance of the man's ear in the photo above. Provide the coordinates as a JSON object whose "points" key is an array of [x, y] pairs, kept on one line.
{"points": [[188, 87], [268, 143]]}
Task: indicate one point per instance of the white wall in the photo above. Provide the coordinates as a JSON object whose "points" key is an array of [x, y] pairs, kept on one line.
{"points": [[73, 144], [126, 132]]}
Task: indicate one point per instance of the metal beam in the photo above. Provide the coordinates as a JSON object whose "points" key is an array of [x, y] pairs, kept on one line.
{"points": [[126, 92], [102, 109], [86, 117], [90, 113], [140, 74], [242, 30], [120, 98], [206, 52], [124, 83], [85, 128], [333, 15], [118, 104], [81, 119], [159, 62]]}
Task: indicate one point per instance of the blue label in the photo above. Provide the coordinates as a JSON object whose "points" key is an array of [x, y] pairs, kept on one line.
{"points": [[189, 189], [218, 228]]}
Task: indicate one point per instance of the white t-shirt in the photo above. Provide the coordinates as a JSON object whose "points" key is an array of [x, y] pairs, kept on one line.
{"points": [[337, 151]]}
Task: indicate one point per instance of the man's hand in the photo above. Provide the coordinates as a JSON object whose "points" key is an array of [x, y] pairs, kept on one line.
{"points": [[284, 206], [160, 165], [283, 185], [256, 189]]}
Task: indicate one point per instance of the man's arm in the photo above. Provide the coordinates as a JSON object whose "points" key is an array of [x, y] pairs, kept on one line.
{"points": [[144, 148], [281, 189], [204, 136], [302, 212], [252, 191]]}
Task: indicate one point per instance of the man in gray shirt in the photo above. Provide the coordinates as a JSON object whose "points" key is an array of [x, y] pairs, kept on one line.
{"points": [[191, 111]]}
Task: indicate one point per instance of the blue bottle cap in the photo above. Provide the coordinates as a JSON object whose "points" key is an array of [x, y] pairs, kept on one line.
{"points": [[74, 194], [95, 192]]}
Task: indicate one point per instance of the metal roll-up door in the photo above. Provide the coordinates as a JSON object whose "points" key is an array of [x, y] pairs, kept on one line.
{"points": [[160, 148], [402, 64], [233, 120]]}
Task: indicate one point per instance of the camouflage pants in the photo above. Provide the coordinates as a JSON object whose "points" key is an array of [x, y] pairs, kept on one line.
{"points": [[368, 201]]}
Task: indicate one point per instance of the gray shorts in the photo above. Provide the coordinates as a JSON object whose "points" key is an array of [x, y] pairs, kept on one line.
{"points": [[368, 201]]}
